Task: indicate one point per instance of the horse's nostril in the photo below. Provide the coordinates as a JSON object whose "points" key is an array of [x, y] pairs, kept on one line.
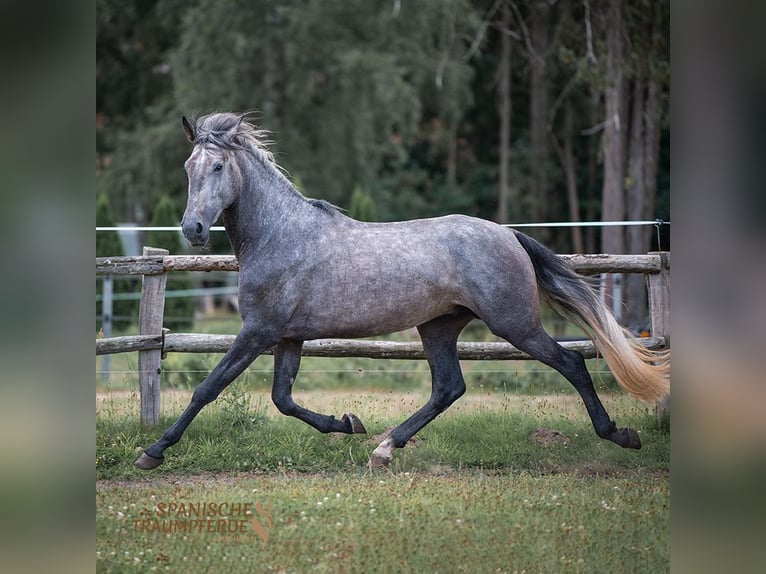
{"points": [[199, 229]]}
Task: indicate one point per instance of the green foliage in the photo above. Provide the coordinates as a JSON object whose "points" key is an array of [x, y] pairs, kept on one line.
{"points": [[240, 411], [362, 206], [186, 370], [146, 163], [179, 311], [345, 109], [108, 244], [362, 93]]}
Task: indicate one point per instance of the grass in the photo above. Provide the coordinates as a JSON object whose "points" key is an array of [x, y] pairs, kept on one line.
{"points": [[395, 522], [242, 431], [473, 493]]}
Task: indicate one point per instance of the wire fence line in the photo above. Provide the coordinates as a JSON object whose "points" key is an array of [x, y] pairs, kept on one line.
{"points": [[200, 292], [656, 222], [233, 290], [360, 372]]}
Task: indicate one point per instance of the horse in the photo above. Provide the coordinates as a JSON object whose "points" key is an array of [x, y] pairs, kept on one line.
{"points": [[308, 271]]}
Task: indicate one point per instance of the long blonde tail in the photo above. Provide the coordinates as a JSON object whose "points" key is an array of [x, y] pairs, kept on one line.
{"points": [[641, 372]]}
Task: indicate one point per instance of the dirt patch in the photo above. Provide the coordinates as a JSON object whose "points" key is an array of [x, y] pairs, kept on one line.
{"points": [[203, 478], [548, 436]]}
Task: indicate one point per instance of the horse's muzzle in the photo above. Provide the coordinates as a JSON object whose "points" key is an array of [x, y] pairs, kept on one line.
{"points": [[195, 232]]}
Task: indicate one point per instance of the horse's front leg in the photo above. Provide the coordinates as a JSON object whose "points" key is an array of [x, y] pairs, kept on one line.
{"points": [[287, 360], [248, 344]]}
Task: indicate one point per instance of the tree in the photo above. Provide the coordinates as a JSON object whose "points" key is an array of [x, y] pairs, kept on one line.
{"points": [[414, 102], [505, 110], [613, 192], [362, 206], [179, 311], [649, 62], [346, 87], [108, 244], [134, 101], [544, 201]]}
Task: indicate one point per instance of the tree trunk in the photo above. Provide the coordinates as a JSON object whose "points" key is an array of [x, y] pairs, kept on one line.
{"points": [[573, 197], [591, 198], [613, 198], [452, 160], [566, 157], [544, 204], [504, 104], [651, 153], [635, 289]]}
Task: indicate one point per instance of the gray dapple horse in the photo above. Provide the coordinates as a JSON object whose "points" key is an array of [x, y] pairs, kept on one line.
{"points": [[307, 271]]}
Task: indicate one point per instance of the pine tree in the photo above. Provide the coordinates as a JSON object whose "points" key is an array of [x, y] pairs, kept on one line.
{"points": [[108, 244], [179, 311]]}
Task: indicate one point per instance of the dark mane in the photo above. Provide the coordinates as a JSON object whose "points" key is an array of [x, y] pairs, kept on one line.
{"points": [[232, 132], [326, 206]]}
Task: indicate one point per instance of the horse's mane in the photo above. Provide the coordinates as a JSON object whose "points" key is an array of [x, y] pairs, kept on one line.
{"points": [[233, 132]]}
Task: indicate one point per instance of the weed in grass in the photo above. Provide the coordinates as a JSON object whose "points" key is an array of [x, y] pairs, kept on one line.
{"points": [[238, 410]]}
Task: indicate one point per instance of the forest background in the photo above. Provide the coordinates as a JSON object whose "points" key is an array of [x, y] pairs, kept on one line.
{"points": [[520, 112]]}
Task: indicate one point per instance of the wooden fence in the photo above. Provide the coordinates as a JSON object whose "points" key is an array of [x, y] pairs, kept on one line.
{"points": [[153, 341]]}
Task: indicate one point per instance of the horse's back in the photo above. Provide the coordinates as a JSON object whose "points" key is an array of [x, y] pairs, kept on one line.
{"points": [[365, 279]]}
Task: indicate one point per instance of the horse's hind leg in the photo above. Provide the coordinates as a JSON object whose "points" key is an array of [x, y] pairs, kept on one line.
{"points": [[287, 360], [447, 385], [572, 366]]}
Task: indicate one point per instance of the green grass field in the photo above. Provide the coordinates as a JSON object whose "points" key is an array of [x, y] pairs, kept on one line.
{"points": [[355, 521], [474, 493]]}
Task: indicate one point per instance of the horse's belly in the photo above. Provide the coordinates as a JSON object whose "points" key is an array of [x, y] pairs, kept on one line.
{"points": [[379, 314]]}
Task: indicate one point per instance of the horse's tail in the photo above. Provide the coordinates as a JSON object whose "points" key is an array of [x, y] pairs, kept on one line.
{"points": [[641, 372]]}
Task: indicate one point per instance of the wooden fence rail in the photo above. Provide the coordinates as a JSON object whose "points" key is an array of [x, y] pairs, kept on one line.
{"points": [[153, 342], [204, 343], [158, 264]]}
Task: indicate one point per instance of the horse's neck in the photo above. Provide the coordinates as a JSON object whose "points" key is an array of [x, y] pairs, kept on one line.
{"points": [[267, 205]]}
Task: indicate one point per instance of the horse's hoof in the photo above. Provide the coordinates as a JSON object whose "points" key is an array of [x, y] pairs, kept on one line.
{"points": [[627, 438], [382, 455], [377, 460], [356, 425], [146, 462]]}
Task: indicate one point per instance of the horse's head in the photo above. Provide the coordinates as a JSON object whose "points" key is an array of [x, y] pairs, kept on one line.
{"points": [[214, 177]]}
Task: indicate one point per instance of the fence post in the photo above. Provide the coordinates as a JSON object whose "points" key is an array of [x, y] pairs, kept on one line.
{"points": [[150, 323], [659, 310], [106, 320]]}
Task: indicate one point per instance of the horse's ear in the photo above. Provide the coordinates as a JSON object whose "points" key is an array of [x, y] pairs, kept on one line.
{"points": [[233, 134], [188, 129]]}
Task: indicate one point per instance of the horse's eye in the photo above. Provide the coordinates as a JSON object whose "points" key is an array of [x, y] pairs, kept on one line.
{"points": [[218, 167]]}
